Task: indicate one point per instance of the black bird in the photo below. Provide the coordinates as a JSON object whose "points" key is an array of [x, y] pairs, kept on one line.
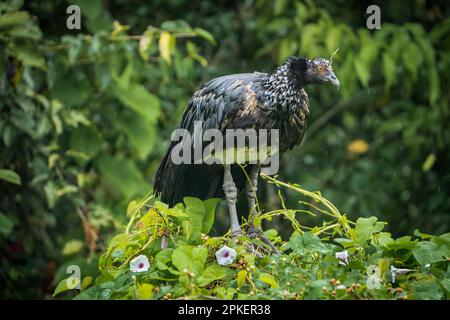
{"points": [[256, 100]]}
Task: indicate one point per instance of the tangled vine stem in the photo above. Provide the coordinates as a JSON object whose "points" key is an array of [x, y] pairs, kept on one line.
{"points": [[316, 196], [340, 221], [134, 210]]}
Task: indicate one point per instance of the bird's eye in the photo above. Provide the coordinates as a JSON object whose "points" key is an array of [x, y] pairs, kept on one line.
{"points": [[321, 68]]}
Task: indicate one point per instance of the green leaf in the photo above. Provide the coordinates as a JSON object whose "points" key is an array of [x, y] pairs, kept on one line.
{"points": [[196, 212], [71, 89], [12, 5], [24, 121], [72, 246], [50, 190], [365, 59], [166, 46], [132, 208], [429, 252], [14, 18], [145, 45], [176, 26], [306, 243], [344, 242], [401, 243], [211, 273], [163, 258], [383, 239], [426, 289], [97, 16], [201, 217], [434, 83], [269, 279], [85, 140], [366, 227], [445, 283], [210, 209], [189, 258], [286, 49], [412, 58], [144, 291], [193, 53], [10, 176], [205, 35], [61, 287], [138, 99], [66, 284], [74, 45], [241, 278], [140, 132], [429, 162], [333, 38], [6, 224], [123, 174], [419, 234], [29, 56], [279, 6], [389, 70], [104, 277], [86, 282], [315, 289], [443, 240], [90, 293]]}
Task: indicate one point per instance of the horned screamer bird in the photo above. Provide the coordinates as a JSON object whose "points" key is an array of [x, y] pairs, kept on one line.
{"points": [[256, 100]]}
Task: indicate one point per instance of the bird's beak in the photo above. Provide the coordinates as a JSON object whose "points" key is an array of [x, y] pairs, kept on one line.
{"points": [[331, 77]]}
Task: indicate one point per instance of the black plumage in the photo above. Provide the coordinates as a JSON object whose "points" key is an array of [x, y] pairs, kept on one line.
{"points": [[248, 100]]}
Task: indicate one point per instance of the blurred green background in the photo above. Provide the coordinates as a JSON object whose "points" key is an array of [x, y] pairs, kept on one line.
{"points": [[86, 115]]}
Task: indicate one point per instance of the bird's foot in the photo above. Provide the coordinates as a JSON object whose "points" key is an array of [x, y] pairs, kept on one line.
{"points": [[254, 249], [250, 247], [255, 233], [235, 234]]}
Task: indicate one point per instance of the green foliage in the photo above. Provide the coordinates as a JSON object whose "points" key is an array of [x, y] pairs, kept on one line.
{"points": [[308, 267], [10, 176], [393, 99], [79, 126], [86, 117]]}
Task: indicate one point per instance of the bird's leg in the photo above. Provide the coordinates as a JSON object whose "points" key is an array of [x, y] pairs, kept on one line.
{"points": [[251, 187], [230, 191]]}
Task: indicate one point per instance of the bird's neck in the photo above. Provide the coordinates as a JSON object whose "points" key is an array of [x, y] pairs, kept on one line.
{"points": [[284, 92]]}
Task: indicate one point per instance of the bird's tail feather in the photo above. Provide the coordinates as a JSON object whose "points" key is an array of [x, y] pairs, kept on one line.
{"points": [[176, 181]]}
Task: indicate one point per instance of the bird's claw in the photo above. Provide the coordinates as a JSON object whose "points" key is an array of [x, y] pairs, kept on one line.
{"points": [[236, 234], [255, 233], [251, 248], [270, 244]]}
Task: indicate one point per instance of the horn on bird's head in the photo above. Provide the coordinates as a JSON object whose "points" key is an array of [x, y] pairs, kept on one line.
{"points": [[332, 55]]}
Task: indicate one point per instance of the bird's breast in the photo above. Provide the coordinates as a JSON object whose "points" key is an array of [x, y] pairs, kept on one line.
{"points": [[290, 125]]}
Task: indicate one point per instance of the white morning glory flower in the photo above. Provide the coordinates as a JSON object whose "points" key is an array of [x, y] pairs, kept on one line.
{"points": [[342, 256], [139, 264], [396, 271], [225, 255]]}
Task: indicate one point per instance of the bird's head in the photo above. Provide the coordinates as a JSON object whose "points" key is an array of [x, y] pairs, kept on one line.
{"points": [[320, 70], [314, 71]]}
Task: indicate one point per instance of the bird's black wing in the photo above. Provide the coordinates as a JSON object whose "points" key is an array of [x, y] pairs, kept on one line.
{"points": [[214, 103], [218, 99]]}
